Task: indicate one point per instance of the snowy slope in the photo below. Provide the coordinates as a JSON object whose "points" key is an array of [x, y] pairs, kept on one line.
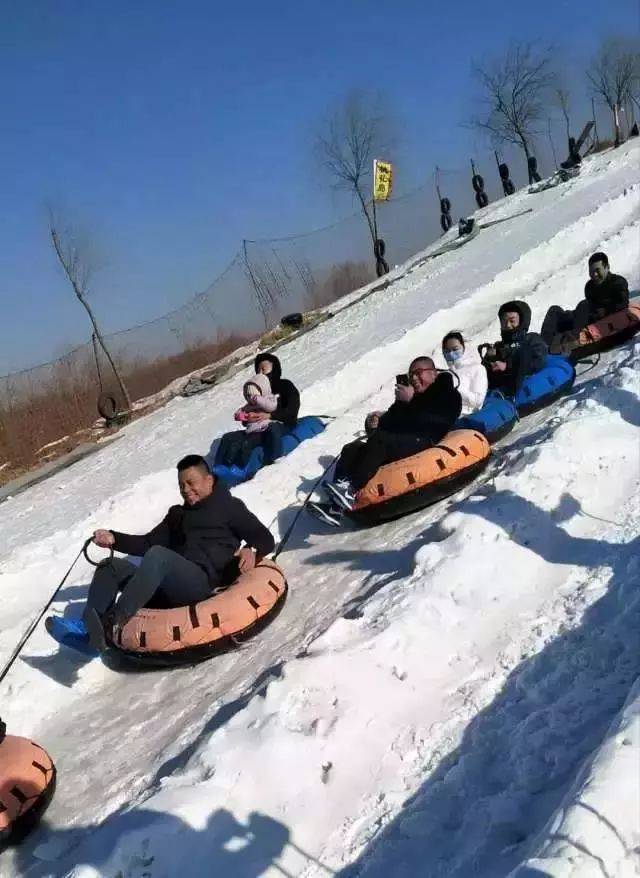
{"points": [[442, 677]]}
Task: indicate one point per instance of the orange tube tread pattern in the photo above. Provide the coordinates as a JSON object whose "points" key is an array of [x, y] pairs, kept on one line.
{"points": [[26, 773], [459, 450], [600, 331], [617, 322], [245, 602]]}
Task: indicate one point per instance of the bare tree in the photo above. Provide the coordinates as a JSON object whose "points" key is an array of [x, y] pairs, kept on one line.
{"points": [[515, 89], [76, 260], [614, 76], [359, 130], [563, 100]]}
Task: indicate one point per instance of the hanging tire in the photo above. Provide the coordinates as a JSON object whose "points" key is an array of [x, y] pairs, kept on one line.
{"points": [[504, 171], [445, 222], [532, 164], [379, 248], [107, 406], [482, 199], [509, 188], [477, 182], [445, 205]]}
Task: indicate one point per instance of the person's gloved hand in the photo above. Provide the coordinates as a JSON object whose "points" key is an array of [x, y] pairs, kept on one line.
{"points": [[404, 393]]}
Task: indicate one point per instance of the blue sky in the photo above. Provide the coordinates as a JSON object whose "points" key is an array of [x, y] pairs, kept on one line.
{"points": [[173, 130]]}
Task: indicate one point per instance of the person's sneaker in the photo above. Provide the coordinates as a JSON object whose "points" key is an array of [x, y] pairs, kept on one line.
{"points": [[342, 493], [329, 513], [95, 628]]}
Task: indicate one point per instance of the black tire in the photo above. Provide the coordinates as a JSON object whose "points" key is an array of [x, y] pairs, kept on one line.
{"points": [[482, 199], [532, 164], [509, 188], [107, 406], [504, 171], [292, 320], [477, 182], [445, 205], [446, 222], [379, 248]]}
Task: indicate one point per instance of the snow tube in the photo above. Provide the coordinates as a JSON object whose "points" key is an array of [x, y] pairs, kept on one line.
{"points": [[27, 784], [185, 635], [543, 387], [599, 336], [306, 428], [417, 481], [494, 420]]}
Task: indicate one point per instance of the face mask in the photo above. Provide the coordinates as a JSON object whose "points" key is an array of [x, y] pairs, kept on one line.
{"points": [[452, 356]]}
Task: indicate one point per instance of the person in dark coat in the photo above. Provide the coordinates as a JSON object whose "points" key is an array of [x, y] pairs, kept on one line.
{"points": [[235, 447], [604, 294], [518, 353], [425, 409], [195, 548]]}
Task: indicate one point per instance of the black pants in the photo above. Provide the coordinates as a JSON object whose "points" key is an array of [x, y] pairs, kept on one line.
{"points": [[557, 320], [360, 460], [235, 448], [163, 574]]}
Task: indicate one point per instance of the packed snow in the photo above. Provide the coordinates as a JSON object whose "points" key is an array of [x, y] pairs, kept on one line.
{"points": [[451, 694]]}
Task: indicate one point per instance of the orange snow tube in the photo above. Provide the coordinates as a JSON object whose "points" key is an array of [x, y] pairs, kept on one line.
{"points": [[27, 783], [599, 336], [415, 482], [185, 635]]}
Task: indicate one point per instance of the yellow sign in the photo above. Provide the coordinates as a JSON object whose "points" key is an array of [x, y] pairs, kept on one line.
{"points": [[382, 180]]}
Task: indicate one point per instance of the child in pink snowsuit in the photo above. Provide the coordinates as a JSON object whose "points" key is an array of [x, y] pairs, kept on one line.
{"points": [[257, 392]]}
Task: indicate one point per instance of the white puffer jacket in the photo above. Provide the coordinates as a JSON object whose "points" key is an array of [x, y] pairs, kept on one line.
{"points": [[473, 379]]}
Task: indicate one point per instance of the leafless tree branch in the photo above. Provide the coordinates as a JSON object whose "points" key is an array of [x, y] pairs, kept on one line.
{"points": [[74, 255], [358, 131], [515, 88], [614, 75]]}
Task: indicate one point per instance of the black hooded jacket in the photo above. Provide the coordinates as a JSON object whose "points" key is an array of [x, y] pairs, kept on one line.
{"points": [[524, 352], [207, 533], [288, 395], [430, 414], [611, 295]]}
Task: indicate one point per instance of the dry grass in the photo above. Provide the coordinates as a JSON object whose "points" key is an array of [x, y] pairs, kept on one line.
{"points": [[49, 411]]}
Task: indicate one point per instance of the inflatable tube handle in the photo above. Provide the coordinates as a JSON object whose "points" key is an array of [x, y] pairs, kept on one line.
{"points": [[86, 553]]}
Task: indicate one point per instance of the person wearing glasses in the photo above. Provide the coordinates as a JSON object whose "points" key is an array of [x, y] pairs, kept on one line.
{"points": [[426, 407]]}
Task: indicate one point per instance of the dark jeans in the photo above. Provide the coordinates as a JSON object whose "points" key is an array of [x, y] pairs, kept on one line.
{"points": [[360, 460], [558, 320], [272, 441], [162, 574], [236, 447]]}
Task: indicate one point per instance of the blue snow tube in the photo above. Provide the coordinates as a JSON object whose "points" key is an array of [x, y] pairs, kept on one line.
{"points": [[494, 420], [306, 428], [543, 387]]}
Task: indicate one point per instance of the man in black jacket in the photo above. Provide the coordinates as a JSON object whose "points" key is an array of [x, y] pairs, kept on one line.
{"points": [[423, 413], [196, 547], [518, 353], [604, 294]]}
